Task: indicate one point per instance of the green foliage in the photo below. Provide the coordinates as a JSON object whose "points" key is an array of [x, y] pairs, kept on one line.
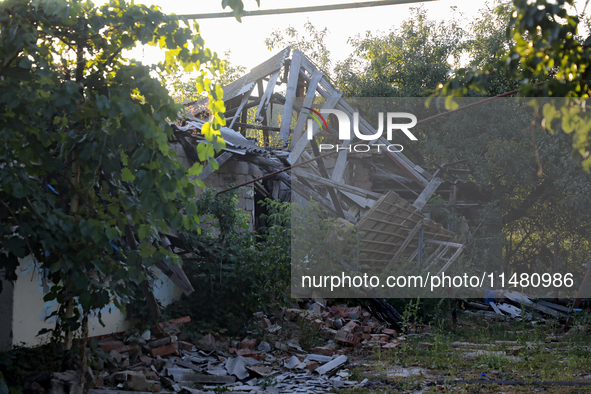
{"points": [[237, 7], [85, 165], [537, 189], [20, 364], [546, 47], [185, 88], [321, 244], [235, 272], [310, 43], [407, 62]]}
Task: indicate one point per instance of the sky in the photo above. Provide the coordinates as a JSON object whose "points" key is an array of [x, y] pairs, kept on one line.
{"points": [[246, 39]]}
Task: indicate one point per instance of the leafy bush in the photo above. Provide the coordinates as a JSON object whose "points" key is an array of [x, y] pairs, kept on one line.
{"points": [[235, 272]]}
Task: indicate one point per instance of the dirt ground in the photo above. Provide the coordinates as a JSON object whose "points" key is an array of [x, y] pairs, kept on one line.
{"points": [[481, 356]]}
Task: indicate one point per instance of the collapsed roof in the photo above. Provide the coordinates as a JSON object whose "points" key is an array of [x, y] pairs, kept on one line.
{"points": [[389, 217]]}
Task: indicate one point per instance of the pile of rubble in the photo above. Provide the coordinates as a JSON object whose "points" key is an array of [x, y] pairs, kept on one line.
{"points": [[163, 359], [514, 305]]}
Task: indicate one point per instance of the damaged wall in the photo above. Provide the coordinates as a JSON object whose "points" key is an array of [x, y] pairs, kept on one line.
{"points": [[24, 312], [233, 171]]}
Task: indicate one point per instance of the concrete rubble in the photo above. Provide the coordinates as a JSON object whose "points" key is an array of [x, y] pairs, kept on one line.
{"points": [[166, 360]]}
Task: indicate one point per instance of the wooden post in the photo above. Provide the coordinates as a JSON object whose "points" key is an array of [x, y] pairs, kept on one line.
{"points": [[580, 294], [405, 243], [292, 84], [324, 173]]}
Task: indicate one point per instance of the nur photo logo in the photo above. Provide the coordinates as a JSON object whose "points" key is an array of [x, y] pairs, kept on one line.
{"points": [[392, 123]]}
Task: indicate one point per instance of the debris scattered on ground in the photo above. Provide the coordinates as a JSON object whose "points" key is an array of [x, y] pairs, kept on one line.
{"points": [[165, 359], [514, 305]]}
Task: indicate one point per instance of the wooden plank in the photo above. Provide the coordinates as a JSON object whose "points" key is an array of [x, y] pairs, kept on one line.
{"points": [[268, 67], [306, 193], [478, 305], [301, 144], [578, 298], [292, 84], [208, 170], [341, 163], [399, 158], [361, 201], [304, 114], [331, 191], [395, 216], [411, 235], [496, 308], [437, 250], [385, 225], [510, 309], [242, 103], [389, 231], [266, 97], [329, 89], [425, 195], [521, 299], [439, 256], [341, 186], [452, 244], [553, 306], [451, 260]]}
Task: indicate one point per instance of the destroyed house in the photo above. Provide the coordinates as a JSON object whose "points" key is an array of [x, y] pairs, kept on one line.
{"points": [[383, 197]]}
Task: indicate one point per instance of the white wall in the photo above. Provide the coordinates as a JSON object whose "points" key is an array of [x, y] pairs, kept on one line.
{"points": [[29, 311]]}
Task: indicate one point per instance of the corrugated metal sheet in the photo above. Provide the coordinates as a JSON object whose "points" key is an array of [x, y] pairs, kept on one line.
{"points": [[235, 142]]}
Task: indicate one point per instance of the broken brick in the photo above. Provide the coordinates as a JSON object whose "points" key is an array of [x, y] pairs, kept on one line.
{"points": [[110, 345], [324, 351], [186, 346], [350, 327], [347, 338], [353, 313], [316, 324], [311, 365], [164, 350], [171, 327], [138, 382], [513, 352], [249, 353], [389, 331], [248, 343], [329, 322], [327, 333]]}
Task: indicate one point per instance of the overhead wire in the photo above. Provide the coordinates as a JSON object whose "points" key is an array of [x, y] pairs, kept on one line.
{"points": [[294, 10]]}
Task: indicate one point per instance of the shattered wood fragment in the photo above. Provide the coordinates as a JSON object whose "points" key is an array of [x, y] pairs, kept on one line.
{"points": [[495, 308]]}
